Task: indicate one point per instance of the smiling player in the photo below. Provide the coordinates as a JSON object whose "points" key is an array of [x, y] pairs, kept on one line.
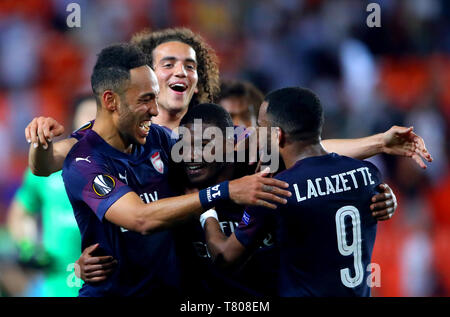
{"points": [[110, 210], [325, 233], [172, 53]]}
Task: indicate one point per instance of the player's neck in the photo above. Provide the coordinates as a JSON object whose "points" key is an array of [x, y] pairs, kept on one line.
{"points": [[296, 151], [108, 132], [169, 119]]}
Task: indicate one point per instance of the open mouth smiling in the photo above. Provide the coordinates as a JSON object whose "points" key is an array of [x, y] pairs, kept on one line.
{"points": [[144, 126], [178, 87], [194, 168]]}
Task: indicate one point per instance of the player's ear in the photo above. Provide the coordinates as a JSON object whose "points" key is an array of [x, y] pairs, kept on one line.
{"points": [[110, 100], [281, 137]]}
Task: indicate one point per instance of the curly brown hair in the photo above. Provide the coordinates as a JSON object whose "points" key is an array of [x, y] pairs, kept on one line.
{"points": [[207, 68]]}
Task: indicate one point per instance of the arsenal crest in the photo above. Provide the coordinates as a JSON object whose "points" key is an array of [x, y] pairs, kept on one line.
{"points": [[157, 162]]}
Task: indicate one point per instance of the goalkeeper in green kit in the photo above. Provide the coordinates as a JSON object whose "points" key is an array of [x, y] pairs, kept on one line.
{"points": [[59, 247]]}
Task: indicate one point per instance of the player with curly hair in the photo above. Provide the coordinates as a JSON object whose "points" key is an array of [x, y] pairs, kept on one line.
{"points": [[155, 44], [187, 72]]}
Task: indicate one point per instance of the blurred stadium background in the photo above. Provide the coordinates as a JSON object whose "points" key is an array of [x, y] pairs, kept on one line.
{"points": [[368, 79]]}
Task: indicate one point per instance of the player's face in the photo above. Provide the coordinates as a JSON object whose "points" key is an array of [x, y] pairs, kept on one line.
{"points": [[202, 172], [234, 105], [175, 66], [263, 121], [138, 105]]}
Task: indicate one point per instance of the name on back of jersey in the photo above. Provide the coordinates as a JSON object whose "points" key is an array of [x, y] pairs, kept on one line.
{"points": [[333, 184]]}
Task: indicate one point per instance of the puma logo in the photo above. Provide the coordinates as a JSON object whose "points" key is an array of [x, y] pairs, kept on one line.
{"points": [[82, 159], [124, 178]]}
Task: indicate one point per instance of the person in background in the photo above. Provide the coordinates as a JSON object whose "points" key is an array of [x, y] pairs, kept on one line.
{"points": [[241, 99], [46, 197]]}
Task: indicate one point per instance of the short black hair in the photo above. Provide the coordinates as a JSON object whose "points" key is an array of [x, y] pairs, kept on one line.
{"points": [[297, 111], [112, 69], [209, 113]]}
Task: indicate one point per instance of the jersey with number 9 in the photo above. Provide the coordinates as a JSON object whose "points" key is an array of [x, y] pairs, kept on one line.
{"points": [[325, 233]]}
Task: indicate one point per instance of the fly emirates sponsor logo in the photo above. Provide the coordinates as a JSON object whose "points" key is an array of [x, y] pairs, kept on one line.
{"points": [[149, 197], [333, 184]]}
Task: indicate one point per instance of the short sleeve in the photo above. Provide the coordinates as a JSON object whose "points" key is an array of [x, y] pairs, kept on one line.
{"points": [[93, 184], [254, 226], [28, 193]]}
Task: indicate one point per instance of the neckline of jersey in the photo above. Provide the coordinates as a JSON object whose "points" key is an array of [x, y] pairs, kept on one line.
{"points": [[319, 157], [109, 148]]}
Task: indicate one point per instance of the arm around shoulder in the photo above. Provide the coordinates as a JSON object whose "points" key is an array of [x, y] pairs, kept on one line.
{"points": [[44, 162]]}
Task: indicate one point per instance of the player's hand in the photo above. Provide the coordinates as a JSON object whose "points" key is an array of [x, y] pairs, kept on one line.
{"points": [[384, 204], [403, 141], [42, 130], [259, 190], [94, 269]]}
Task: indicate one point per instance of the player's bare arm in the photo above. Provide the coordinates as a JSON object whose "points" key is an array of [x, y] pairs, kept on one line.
{"points": [[132, 213], [45, 156], [224, 250], [228, 250], [397, 140]]}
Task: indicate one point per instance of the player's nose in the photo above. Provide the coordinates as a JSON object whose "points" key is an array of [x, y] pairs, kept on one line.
{"points": [[153, 109], [197, 152], [180, 70]]}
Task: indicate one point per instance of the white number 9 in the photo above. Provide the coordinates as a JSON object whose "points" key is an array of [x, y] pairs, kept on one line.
{"points": [[354, 248]]}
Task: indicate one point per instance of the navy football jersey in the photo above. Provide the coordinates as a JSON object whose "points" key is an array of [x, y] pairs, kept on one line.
{"points": [[325, 233], [96, 175]]}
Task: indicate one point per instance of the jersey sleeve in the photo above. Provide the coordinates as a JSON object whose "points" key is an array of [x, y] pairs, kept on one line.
{"points": [[28, 193], [79, 133], [254, 225], [93, 184]]}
